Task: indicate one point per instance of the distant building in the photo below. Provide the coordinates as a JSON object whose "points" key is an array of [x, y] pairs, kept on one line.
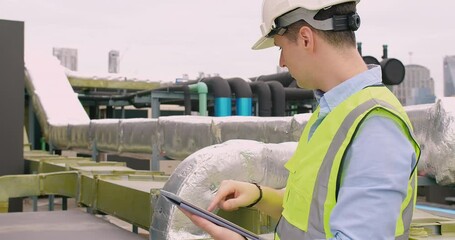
{"points": [[67, 57], [449, 76], [114, 61], [417, 86]]}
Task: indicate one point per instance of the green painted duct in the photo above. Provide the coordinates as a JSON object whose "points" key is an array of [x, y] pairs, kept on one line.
{"points": [[59, 183]]}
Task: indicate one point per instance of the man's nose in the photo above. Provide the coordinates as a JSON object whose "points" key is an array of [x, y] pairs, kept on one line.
{"points": [[282, 63]]}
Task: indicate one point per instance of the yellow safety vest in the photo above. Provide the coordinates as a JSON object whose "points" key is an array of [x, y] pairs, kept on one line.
{"points": [[313, 169]]}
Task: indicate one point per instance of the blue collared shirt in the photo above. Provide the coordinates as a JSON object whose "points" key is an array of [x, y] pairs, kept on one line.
{"points": [[376, 168]]}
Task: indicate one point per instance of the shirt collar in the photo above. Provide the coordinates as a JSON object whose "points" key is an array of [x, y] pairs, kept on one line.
{"points": [[329, 100]]}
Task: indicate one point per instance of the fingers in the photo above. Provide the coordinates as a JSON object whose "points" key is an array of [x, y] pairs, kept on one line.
{"points": [[233, 194], [217, 232], [198, 221], [226, 191]]}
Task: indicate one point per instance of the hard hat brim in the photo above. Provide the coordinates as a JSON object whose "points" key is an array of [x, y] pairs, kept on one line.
{"points": [[264, 42]]}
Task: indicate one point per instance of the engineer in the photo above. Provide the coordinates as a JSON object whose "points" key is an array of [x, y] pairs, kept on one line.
{"points": [[353, 174]]}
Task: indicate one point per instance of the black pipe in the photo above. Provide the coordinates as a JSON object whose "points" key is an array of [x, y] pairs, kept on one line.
{"points": [[293, 85], [240, 88], [221, 91], [284, 78], [293, 94], [106, 98], [370, 60], [262, 90], [393, 71], [130, 97], [278, 98], [218, 86], [243, 96]]}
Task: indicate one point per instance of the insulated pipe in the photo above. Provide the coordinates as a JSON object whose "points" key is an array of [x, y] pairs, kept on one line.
{"points": [[393, 71], [222, 93], [197, 179], [298, 94], [243, 96], [262, 90], [278, 98], [284, 78], [202, 90]]}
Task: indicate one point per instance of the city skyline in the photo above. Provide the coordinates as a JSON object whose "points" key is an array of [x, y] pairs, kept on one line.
{"points": [[166, 39], [449, 76], [417, 86]]}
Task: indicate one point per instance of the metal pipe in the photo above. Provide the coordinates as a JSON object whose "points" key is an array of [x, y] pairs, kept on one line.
{"points": [[284, 78], [385, 54], [222, 93], [278, 98], [262, 90], [202, 90], [243, 96]]}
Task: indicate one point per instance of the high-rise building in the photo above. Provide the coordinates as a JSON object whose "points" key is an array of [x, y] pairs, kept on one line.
{"points": [[67, 57], [449, 76], [114, 61], [417, 86]]}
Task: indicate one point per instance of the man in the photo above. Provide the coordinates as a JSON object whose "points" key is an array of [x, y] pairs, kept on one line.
{"points": [[353, 173]]}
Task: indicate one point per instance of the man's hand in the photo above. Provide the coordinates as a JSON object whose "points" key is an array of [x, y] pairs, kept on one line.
{"points": [[234, 194], [217, 232]]}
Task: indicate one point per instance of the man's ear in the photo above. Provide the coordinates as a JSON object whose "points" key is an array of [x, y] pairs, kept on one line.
{"points": [[306, 36]]}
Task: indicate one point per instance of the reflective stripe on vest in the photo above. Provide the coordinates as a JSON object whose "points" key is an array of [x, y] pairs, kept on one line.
{"points": [[317, 223]]}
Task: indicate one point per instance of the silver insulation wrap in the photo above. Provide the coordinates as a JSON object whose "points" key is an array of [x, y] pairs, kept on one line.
{"points": [[53, 98], [105, 134], [434, 127], [138, 135], [79, 136], [197, 178], [182, 135]]}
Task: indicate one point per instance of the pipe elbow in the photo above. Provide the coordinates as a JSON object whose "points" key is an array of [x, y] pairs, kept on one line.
{"points": [[202, 87]]}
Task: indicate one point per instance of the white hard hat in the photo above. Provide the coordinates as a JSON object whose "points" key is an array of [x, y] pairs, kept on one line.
{"points": [[295, 10]]}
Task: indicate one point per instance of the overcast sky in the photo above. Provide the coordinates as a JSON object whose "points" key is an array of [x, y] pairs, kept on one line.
{"points": [[162, 40]]}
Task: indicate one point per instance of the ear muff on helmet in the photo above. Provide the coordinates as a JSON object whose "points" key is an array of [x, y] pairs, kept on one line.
{"points": [[354, 21], [346, 22]]}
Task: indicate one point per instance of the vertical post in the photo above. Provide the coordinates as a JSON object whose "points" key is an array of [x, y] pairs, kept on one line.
{"points": [[51, 202], [64, 203], [155, 104], [31, 123], [385, 53], [12, 101], [359, 48]]}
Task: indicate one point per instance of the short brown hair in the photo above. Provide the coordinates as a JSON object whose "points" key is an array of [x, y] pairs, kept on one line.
{"points": [[336, 38]]}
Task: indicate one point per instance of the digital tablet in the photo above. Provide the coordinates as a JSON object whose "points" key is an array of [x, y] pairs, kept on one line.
{"points": [[208, 215]]}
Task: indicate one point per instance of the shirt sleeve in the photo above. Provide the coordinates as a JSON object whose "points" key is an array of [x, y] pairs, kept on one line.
{"points": [[376, 170]]}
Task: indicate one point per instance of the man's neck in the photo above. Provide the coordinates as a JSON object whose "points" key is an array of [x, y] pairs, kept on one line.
{"points": [[339, 66]]}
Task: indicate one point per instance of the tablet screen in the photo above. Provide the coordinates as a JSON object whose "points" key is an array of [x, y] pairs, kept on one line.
{"points": [[208, 215]]}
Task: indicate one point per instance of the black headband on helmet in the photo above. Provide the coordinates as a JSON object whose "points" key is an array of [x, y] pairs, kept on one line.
{"points": [[348, 22]]}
